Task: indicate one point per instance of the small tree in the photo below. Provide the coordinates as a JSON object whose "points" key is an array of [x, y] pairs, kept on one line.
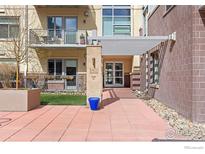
{"points": [[16, 50], [16, 47]]}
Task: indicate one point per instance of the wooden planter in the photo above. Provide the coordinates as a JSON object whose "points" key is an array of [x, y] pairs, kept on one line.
{"points": [[19, 100]]}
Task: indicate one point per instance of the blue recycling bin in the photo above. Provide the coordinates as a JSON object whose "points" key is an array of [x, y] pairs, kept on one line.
{"points": [[94, 101]]}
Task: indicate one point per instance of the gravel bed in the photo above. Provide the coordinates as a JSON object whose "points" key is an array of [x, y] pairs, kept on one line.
{"points": [[181, 125]]}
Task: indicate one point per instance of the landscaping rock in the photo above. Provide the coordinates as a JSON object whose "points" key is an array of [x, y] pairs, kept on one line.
{"points": [[181, 125]]}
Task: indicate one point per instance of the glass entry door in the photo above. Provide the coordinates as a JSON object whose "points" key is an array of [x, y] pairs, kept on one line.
{"points": [[70, 30], [71, 74], [113, 74]]}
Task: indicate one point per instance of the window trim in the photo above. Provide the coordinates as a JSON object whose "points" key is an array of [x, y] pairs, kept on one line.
{"points": [[105, 73], [55, 59], [9, 25]]}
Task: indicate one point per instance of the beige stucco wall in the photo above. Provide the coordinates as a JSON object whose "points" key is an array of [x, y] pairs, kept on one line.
{"points": [[127, 61], [12, 10], [97, 9], [93, 22], [94, 72], [137, 19], [40, 61], [135, 62], [43, 13]]}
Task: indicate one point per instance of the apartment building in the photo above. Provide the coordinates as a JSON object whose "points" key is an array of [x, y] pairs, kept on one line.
{"points": [[173, 71], [87, 48], [78, 47]]}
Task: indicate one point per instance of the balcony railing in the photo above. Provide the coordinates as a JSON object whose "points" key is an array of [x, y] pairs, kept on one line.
{"points": [[50, 36]]}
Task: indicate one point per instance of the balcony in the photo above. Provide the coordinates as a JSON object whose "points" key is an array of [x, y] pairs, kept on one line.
{"points": [[39, 38]]}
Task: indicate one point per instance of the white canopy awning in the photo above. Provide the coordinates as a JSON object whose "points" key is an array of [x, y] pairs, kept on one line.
{"points": [[128, 45]]}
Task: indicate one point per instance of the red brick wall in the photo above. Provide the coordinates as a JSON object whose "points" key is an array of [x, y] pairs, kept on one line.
{"points": [[176, 72], [198, 46]]}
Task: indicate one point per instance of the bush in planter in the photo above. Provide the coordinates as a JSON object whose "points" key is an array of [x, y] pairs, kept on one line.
{"points": [[49, 77], [7, 74], [36, 81], [68, 77]]}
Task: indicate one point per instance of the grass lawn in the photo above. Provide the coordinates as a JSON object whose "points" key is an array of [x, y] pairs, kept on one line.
{"points": [[62, 99]]}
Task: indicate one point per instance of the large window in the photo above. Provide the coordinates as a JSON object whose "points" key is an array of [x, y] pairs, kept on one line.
{"points": [[63, 26], [9, 27], [116, 20], [55, 67]]}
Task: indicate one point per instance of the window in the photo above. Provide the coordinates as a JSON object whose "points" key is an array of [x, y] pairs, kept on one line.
{"points": [[55, 67], [116, 20], [154, 67], [9, 27], [51, 66], [58, 67], [55, 25], [58, 25]]}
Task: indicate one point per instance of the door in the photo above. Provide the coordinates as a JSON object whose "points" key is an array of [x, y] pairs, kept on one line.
{"points": [[71, 73], [70, 30], [113, 74], [55, 26]]}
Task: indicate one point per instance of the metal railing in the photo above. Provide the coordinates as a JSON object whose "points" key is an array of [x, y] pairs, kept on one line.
{"points": [[42, 81], [51, 36]]}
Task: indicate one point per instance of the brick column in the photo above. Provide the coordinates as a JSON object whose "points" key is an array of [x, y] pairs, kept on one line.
{"points": [[94, 78]]}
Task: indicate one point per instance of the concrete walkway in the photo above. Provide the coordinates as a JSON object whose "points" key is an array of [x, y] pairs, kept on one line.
{"points": [[121, 118]]}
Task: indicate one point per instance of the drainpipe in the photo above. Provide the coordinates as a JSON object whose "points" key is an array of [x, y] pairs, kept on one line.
{"points": [[26, 44]]}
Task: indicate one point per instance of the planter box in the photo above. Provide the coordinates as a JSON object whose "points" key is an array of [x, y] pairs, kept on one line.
{"points": [[56, 85], [19, 100]]}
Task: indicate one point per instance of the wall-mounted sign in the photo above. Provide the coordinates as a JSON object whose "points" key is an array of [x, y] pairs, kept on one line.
{"points": [[94, 71]]}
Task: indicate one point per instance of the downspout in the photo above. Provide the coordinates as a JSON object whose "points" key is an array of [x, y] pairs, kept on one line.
{"points": [[26, 44]]}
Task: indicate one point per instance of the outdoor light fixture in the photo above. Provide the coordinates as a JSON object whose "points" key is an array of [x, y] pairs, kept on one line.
{"points": [[86, 14]]}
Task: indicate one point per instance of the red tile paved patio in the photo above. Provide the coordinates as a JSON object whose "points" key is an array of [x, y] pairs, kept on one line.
{"points": [[121, 118]]}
